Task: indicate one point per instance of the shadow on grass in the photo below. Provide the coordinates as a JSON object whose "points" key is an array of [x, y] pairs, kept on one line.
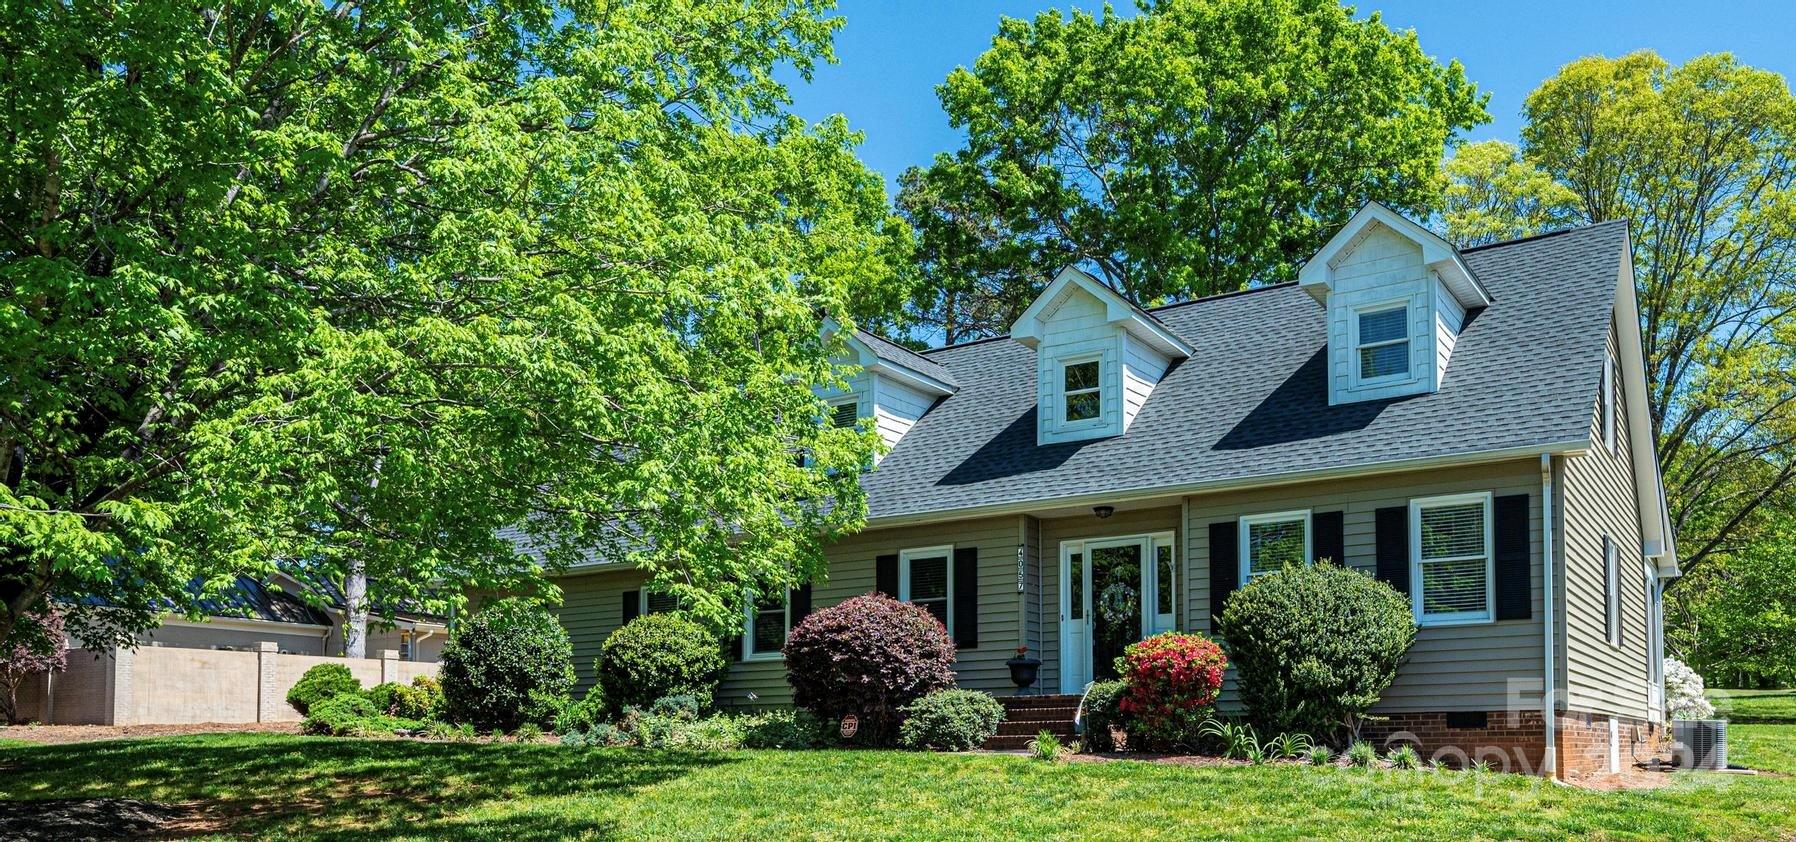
{"points": [[362, 788]]}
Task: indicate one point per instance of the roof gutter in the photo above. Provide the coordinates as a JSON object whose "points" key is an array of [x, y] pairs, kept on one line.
{"points": [[1573, 447]]}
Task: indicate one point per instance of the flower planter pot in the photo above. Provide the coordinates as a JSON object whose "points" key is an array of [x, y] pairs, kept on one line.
{"points": [[1023, 672]]}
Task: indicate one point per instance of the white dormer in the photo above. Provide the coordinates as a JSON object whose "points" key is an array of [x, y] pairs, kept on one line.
{"points": [[894, 385], [1097, 358], [1397, 296]]}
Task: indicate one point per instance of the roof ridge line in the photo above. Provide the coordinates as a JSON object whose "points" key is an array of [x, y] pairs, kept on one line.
{"points": [[1542, 235]]}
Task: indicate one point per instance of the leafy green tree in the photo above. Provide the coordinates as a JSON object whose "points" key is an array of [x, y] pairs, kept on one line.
{"points": [[1735, 620], [1493, 194], [1197, 147], [1701, 159], [333, 281]]}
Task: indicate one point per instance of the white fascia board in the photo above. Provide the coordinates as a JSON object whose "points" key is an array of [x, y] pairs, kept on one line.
{"points": [[1657, 539], [910, 377]]}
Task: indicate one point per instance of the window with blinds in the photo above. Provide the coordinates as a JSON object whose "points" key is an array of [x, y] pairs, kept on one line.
{"points": [[1453, 559], [1271, 541], [924, 579], [845, 414], [1383, 346]]}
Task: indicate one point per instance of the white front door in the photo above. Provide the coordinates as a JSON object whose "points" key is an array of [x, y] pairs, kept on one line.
{"points": [[1114, 591]]}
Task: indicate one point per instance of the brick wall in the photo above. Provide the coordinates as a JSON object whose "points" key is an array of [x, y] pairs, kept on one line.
{"points": [[1516, 741]]}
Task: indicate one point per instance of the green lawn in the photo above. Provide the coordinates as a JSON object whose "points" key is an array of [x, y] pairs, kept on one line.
{"points": [[1760, 706], [298, 787]]}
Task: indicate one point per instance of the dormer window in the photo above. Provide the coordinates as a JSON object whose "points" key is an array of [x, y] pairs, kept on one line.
{"points": [[1397, 297], [844, 414], [1084, 399], [1381, 342]]}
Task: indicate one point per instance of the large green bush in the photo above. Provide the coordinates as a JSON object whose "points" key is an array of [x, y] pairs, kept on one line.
{"points": [[1314, 646], [950, 720], [658, 655], [868, 656], [1103, 712], [501, 663], [319, 683]]}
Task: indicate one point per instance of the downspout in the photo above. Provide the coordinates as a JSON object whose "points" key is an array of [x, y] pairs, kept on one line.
{"points": [[1549, 764]]}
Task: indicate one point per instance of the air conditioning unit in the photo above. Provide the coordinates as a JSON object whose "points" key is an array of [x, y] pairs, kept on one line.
{"points": [[1702, 743]]}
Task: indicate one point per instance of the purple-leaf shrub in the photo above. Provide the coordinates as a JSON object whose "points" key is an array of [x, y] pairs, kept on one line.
{"points": [[37, 644], [868, 656]]}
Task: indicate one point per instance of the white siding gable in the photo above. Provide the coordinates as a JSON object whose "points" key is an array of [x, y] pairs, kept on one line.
{"points": [[896, 407], [1142, 368]]}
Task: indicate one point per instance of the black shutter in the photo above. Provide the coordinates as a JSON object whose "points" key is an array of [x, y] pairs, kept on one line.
{"points": [[632, 605], [1330, 540], [1515, 578], [1393, 547], [801, 603], [966, 597], [885, 575], [1225, 566]]}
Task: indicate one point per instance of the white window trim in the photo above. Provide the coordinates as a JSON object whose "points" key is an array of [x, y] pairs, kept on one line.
{"points": [[1060, 393], [642, 600], [1243, 538], [1612, 592], [943, 550], [1608, 404], [748, 631], [1489, 613], [1409, 338]]}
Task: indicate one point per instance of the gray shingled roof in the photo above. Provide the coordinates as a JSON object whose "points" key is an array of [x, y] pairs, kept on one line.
{"points": [[896, 354], [1252, 401]]}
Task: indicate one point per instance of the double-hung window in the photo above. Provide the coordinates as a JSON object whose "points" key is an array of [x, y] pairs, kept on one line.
{"points": [[1271, 541], [1082, 397], [654, 602], [1451, 559], [1381, 343], [769, 619], [925, 577]]}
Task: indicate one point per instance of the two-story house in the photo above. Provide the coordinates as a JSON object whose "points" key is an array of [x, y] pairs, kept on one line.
{"points": [[1469, 426]]}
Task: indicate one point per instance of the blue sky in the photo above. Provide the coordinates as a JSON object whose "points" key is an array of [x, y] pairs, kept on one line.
{"points": [[894, 52]]}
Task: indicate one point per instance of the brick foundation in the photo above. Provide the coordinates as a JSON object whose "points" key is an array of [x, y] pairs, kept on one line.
{"points": [[1516, 741]]}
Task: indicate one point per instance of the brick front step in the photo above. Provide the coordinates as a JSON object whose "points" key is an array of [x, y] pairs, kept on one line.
{"points": [[1015, 743], [1055, 701], [1029, 728]]}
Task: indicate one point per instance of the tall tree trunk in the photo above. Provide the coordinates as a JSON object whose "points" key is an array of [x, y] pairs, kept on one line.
{"points": [[355, 609]]}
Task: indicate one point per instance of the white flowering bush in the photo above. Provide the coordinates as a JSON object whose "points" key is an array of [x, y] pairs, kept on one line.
{"points": [[1683, 692]]}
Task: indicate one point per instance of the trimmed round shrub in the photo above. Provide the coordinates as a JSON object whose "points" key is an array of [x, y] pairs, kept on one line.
{"points": [[950, 720], [659, 655], [1314, 646], [500, 661], [1173, 678], [868, 656], [1103, 712], [322, 682]]}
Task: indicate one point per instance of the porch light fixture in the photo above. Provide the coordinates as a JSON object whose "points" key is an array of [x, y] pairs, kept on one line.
{"points": [[1103, 511]]}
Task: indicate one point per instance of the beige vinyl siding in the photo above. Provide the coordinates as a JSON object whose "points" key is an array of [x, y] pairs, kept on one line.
{"points": [[591, 609], [1468, 667], [1600, 498], [1055, 531]]}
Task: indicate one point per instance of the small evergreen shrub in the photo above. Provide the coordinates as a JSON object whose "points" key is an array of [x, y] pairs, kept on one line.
{"points": [[868, 656], [1173, 679], [1404, 757], [784, 728], [1362, 754], [501, 661], [319, 683], [658, 655], [1104, 715], [581, 715], [1320, 755], [1314, 646], [950, 720], [352, 715], [528, 732], [421, 699]]}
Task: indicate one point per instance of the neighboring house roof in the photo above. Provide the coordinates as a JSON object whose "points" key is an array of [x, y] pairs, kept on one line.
{"points": [[1251, 403], [331, 593], [248, 599], [897, 354]]}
